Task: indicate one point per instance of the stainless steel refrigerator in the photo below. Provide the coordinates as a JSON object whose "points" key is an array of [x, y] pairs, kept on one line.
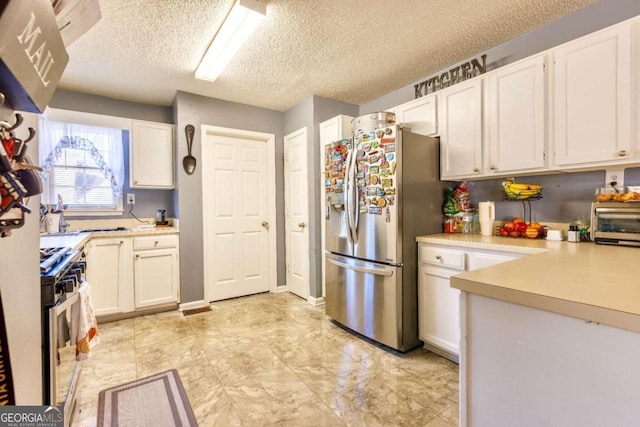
{"points": [[382, 190]]}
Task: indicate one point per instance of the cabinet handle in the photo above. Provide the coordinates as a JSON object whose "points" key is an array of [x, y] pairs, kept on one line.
{"points": [[493, 168], [121, 242], [155, 243], [137, 256], [135, 182], [438, 257], [476, 169], [622, 153]]}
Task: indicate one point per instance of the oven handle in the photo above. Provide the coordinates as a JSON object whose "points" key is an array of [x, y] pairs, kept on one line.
{"points": [[72, 297]]}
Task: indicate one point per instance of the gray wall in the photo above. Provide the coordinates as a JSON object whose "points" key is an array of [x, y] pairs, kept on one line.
{"points": [[565, 196], [199, 110], [147, 201], [310, 113], [580, 23]]}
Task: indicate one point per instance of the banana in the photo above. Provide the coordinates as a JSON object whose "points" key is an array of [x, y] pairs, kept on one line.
{"points": [[520, 191], [525, 186]]}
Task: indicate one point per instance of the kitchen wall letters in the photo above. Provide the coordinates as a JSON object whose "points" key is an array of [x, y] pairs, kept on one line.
{"points": [[455, 75]]}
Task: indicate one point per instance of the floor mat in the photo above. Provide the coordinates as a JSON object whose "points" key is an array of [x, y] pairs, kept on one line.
{"points": [[157, 400]]}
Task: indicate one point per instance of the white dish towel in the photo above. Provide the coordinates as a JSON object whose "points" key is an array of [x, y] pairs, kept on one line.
{"points": [[84, 328]]}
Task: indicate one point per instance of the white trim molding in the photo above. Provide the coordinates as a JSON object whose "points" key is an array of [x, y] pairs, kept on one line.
{"points": [[192, 305], [316, 301]]}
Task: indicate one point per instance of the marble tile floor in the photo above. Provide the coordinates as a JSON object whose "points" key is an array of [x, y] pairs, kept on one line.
{"points": [[273, 360]]}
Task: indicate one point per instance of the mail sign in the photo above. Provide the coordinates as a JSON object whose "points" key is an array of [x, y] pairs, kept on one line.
{"points": [[32, 53]]}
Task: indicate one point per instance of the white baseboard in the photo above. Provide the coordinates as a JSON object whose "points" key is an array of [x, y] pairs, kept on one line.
{"points": [[316, 301], [192, 304], [280, 289]]}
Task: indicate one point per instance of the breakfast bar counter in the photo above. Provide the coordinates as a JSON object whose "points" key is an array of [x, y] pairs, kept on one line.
{"points": [[551, 338], [597, 283]]}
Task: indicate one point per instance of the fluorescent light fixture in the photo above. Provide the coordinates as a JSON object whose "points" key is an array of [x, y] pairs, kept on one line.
{"points": [[240, 22]]}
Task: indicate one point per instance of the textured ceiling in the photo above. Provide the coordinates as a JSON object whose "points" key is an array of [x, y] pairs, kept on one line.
{"points": [[352, 51]]}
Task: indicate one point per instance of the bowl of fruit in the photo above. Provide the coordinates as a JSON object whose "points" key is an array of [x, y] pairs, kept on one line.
{"points": [[517, 227]]}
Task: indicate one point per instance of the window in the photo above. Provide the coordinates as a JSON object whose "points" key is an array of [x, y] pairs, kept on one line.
{"points": [[83, 165]]}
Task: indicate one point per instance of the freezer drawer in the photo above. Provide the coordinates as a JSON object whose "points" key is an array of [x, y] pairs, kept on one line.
{"points": [[366, 297]]}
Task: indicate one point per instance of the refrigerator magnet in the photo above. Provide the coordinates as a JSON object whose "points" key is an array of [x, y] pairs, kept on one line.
{"points": [[390, 156], [374, 179], [372, 191], [374, 159], [387, 182], [387, 215], [382, 202], [390, 191], [384, 173], [384, 163], [388, 140], [391, 200], [374, 144], [379, 133], [389, 148], [374, 169], [393, 167], [375, 210], [380, 191]]}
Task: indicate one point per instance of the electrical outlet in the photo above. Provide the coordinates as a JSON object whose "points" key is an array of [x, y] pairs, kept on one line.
{"points": [[131, 199], [616, 176]]}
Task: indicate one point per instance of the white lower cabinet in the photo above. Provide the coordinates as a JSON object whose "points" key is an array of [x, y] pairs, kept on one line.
{"points": [[438, 302], [132, 273], [155, 267], [109, 274]]}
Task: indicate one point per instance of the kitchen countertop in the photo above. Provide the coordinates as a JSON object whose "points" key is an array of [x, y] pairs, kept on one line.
{"points": [[77, 240], [597, 283]]}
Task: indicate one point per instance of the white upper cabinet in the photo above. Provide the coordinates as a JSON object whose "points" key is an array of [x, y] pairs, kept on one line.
{"points": [[516, 117], [334, 129], [460, 126], [151, 155], [592, 99], [419, 115]]}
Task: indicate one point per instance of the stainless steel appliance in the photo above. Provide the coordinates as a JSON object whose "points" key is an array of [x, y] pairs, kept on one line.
{"points": [[382, 190], [61, 271], [616, 223]]}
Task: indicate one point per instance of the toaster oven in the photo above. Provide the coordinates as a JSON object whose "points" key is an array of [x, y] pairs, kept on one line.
{"points": [[616, 223]]}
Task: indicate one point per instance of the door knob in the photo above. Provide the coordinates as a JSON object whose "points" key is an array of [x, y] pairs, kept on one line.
{"points": [[302, 225], [265, 224]]}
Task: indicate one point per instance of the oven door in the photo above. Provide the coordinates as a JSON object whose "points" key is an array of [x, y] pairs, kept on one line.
{"points": [[617, 224], [64, 370]]}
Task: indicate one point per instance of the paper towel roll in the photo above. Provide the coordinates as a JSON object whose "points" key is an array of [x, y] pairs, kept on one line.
{"points": [[486, 211]]}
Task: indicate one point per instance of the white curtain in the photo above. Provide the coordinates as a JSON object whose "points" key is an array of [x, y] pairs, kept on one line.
{"points": [[54, 136]]}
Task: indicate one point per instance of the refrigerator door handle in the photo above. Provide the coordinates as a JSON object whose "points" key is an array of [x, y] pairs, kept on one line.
{"points": [[372, 270], [352, 195], [347, 204]]}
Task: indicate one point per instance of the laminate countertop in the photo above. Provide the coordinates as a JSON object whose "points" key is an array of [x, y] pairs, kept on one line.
{"points": [[77, 239], [596, 283]]}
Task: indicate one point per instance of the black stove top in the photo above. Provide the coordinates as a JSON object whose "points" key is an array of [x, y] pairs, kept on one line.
{"points": [[60, 272]]}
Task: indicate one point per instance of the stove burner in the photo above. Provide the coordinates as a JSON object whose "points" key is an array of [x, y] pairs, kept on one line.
{"points": [[50, 256]]}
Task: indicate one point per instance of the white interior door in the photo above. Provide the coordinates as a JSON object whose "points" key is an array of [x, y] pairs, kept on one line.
{"points": [[236, 191], [296, 208]]}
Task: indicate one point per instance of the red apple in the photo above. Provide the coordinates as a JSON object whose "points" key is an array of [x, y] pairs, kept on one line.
{"points": [[521, 227], [514, 234], [509, 226], [504, 231]]}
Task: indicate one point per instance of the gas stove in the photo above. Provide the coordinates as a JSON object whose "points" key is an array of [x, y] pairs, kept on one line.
{"points": [[61, 269]]}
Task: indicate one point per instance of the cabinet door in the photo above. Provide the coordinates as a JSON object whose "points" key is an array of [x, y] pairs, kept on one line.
{"points": [[152, 154], [516, 117], [156, 277], [460, 112], [438, 310], [107, 272], [419, 115], [592, 98]]}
